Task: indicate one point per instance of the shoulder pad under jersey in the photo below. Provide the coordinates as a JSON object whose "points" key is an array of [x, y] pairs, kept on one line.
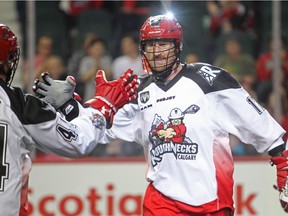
{"points": [[211, 78]]}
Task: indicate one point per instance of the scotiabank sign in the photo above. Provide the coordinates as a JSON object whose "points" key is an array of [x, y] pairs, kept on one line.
{"points": [[116, 188], [90, 203]]}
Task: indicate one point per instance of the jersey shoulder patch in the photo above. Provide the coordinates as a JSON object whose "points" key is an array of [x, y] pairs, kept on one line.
{"points": [[211, 78]]}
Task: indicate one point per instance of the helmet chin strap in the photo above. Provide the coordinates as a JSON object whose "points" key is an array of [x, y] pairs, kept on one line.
{"points": [[9, 77], [6, 72], [13, 68], [161, 76]]}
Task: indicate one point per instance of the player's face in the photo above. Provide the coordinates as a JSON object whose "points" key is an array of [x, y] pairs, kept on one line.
{"points": [[176, 121], [160, 54]]}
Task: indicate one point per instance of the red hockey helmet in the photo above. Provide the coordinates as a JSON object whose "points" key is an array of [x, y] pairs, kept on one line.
{"points": [[9, 53], [161, 28]]}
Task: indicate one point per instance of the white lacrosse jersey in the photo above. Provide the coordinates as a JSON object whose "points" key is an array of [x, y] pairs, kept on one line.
{"points": [[184, 127], [26, 121]]}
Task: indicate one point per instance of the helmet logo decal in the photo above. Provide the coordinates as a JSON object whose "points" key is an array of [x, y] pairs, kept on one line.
{"points": [[5, 30], [155, 21], [155, 32], [170, 136]]}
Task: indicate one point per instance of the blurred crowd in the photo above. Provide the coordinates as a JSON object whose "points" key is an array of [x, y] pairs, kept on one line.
{"points": [[80, 37]]}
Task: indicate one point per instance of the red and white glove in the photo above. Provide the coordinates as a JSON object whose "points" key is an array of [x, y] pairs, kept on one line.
{"points": [[111, 96], [281, 163]]}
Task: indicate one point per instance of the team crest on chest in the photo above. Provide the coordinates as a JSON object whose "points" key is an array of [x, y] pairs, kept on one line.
{"points": [[169, 137]]}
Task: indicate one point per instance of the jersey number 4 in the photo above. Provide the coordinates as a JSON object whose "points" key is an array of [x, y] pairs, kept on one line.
{"points": [[67, 134], [4, 166]]}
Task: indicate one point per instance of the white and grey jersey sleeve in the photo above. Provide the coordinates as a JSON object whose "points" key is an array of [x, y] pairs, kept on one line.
{"points": [[228, 105], [240, 114], [235, 111], [51, 132], [72, 139]]}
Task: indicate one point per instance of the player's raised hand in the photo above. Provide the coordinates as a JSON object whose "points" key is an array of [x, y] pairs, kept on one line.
{"points": [[113, 95], [55, 92]]}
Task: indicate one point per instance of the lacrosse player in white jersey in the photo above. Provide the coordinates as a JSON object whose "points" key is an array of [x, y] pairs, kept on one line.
{"points": [[184, 116], [26, 121]]}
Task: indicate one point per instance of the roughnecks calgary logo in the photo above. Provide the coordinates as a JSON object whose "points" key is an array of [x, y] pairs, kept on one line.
{"points": [[170, 136]]}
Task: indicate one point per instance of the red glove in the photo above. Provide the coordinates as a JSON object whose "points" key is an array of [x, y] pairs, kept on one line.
{"points": [[111, 96], [281, 163]]}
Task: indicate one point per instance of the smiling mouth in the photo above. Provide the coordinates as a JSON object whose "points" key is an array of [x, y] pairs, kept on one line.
{"points": [[159, 60]]}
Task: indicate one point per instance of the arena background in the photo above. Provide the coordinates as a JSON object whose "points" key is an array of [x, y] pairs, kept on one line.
{"points": [[115, 186]]}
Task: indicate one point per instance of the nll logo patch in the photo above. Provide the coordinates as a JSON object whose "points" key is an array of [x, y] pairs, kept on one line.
{"points": [[144, 97], [208, 74]]}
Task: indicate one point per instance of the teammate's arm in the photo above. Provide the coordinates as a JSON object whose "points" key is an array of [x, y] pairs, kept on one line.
{"points": [[52, 133], [79, 136], [109, 96]]}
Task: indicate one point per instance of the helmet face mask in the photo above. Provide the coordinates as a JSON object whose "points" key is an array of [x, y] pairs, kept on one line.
{"points": [[160, 54], [160, 29], [9, 53]]}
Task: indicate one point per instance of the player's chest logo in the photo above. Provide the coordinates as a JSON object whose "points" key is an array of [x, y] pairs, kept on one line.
{"points": [[169, 137]]}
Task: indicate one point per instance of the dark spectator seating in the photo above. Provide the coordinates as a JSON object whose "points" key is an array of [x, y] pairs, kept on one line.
{"points": [[245, 40], [190, 14], [266, 9], [51, 21], [97, 21]]}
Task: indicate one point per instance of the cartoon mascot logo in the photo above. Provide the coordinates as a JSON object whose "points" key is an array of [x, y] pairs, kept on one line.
{"points": [[170, 136]]}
